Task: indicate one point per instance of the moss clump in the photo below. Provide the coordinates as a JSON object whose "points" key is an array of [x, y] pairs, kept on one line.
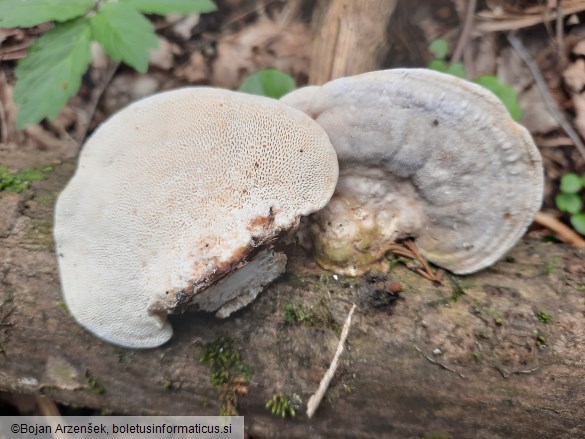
{"points": [[541, 341], [457, 290], [318, 315], [21, 180], [228, 374], [94, 385], [280, 405], [544, 317], [552, 265]]}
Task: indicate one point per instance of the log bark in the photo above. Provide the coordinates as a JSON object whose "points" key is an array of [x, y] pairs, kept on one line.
{"points": [[470, 358]]}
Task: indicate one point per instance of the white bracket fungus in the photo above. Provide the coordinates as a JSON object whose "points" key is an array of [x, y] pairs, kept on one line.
{"points": [[176, 203], [422, 155]]}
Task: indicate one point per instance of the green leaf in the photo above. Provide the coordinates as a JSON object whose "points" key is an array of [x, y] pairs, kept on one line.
{"points": [[457, 69], [52, 71], [583, 180], [578, 222], [439, 65], [164, 7], [570, 183], [273, 83], [124, 34], [507, 94], [27, 13], [569, 203], [439, 48]]}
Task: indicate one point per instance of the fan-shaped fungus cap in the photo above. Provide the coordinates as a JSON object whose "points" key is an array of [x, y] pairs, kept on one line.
{"points": [[176, 202], [422, 155]]}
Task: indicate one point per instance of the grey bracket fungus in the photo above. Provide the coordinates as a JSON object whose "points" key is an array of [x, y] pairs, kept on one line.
{"points": [[422, 155], [176, 203]]}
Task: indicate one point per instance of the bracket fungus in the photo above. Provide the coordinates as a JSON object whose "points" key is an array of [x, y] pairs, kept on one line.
{"points": [[422, 155], [177, 203]]}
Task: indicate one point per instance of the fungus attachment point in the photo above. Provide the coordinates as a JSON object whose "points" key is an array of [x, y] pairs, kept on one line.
{"points": [[177, 202], [422, 155]]}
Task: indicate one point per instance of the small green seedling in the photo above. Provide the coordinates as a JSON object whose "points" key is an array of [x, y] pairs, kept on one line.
{"points": [[544, 317], [272, 83], [51, 72], [570, 200], [280, 405], [440, 48], [21, 180], [541, 341]]}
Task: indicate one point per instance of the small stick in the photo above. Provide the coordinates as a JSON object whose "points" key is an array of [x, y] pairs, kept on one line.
{"points": [[464, 37], [549, 102], [564, 233], [315, 400]]}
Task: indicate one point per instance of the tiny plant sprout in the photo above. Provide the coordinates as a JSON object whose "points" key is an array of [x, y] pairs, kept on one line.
{"points": [[176, 204], [424, 156]]}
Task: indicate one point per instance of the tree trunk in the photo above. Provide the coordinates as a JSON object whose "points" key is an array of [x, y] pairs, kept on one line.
{"points": [[349, 37], [498, 354]]}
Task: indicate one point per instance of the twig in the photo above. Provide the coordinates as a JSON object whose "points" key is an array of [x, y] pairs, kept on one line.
{"points": [[564, 233], [551, 105], [96, 94], [438, 363], [523, 21], [467, 26], [559, 28], [315, 400]]}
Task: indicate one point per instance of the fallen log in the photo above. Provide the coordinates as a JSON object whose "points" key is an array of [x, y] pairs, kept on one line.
{"points": [[497, 354]]}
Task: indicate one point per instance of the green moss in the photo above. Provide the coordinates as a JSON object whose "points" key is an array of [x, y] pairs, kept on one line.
{"points": [[62, 305], [544, 317], [94, 384], [552, 265], [540, 341], [21, 180], [228, 374], [318, 315], [40, 234], [457, 290], [280, 405]]}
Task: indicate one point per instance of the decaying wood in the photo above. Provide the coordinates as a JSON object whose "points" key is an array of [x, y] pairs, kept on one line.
{"points": [[349, 37], [522, 373]]}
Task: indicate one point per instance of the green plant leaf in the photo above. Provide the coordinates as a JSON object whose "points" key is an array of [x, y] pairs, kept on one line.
{"points": [[439, 48], [507, 94], [457, 69], [52, 71], [569, 203], [273, 83], [570, 183], [163, 7], [439, 65], [27, 13], [125, 34], [578, 222], [583, 180]]}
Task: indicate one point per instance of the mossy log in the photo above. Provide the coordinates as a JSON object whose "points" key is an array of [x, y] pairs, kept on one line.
{"points": [[499, 354]]}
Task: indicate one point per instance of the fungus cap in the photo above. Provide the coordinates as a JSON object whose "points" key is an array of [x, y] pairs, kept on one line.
{"points": [[423, 155], [180, 192]]}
